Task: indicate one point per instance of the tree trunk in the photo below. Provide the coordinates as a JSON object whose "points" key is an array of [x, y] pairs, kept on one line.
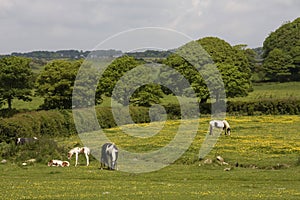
{"points": [[9, 101], [203, 100]]}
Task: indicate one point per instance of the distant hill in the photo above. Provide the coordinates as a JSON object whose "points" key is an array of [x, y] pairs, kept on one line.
{"points": [[149, 54], [76, 54], [65, 54]]}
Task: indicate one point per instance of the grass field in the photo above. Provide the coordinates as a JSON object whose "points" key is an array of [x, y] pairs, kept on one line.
{"points": [[261, 91], [264, 91], [267, 149]]}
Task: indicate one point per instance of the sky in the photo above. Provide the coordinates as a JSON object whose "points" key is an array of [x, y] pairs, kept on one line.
{"points": [[31, 25]]}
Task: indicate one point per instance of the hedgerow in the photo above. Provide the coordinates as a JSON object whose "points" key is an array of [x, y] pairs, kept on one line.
{"points": [[39, 123], [55, 123], [268, 107]]}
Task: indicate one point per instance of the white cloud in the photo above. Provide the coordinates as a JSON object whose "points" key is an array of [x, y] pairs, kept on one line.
{"points": [[82, 24]]}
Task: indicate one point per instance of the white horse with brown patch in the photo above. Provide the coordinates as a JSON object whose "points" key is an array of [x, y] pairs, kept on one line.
{"points": [[58, 163], [220, 124], [79, 150]]}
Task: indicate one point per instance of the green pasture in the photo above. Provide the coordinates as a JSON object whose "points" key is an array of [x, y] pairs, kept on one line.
{"points": [[28, 105], [265, 91], [266, 149], [262, 91]]}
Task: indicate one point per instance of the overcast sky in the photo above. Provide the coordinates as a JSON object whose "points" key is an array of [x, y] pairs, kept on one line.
{"points": [[29, 25]]}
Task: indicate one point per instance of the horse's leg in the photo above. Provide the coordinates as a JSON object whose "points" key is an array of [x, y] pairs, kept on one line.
{"points": [[109, 161], [76, 162], [87, 159], [210, 129], [103, 161], [101, 165], [223, 128]]}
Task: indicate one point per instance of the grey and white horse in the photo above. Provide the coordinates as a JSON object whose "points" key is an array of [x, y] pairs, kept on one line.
{"points": [[221, 124], [21, 141], [109, 156]]}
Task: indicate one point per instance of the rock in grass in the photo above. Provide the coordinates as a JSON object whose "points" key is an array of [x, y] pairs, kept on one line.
{"points": [[31, 160], [227, 169], [207, 161], [3, 161], [219, 158]]}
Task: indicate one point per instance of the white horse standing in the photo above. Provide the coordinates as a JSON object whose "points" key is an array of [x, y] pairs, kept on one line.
{"points": [[109, 156], [219, 124], [78, 150]]}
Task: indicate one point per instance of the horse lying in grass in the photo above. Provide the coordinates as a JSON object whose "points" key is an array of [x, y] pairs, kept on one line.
{"points": [[58, 163], [221, 124], [109, 156], [80, 150]]}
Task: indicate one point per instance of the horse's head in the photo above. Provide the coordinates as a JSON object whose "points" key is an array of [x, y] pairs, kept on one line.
{"points": [[228, 131], [115, 153], [70, 154], [50, 163]]}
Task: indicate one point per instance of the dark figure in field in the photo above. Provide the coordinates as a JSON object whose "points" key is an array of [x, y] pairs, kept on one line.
{"points": [[109, 156], [21, 141]]}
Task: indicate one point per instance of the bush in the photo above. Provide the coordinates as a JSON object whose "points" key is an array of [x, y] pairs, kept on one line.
{"points": [[61, 123], [42, 151], [41, 123], [273, 107], [8, 112]]}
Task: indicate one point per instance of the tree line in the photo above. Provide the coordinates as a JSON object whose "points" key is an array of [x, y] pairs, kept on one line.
{"points": [[64, 54], [239, 66]]}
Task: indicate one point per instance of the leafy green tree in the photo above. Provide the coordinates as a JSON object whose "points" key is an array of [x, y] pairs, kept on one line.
{"points": [[295, 55], [236, 84], [114, 72], [231, 62], [55, 83], [188, 73], [86, 91], [124, 83], [255, 61], [16, 79], [278, 65], [287, 39], [147, 95], [222, 52]]}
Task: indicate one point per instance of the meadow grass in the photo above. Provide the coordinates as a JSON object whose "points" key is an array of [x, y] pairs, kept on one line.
{"points": [[267, 149], [262, 91], [172, 182], [28, 105], [265, 91]]}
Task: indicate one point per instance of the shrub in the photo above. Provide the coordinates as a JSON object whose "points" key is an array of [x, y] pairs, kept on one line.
{"points": [[42, 151], [61, 123], [41, 123], [274, 107]]}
